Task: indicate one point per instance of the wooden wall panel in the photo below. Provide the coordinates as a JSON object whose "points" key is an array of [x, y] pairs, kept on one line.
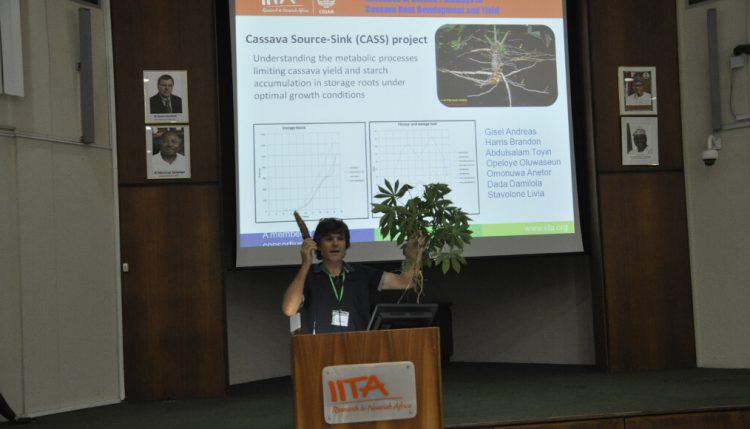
{"points": [[165, 35], [644, 317], [584, 424], [705, 419], [173, 297], [710, 420], [174, 342], [634, 33], [647, 271]]}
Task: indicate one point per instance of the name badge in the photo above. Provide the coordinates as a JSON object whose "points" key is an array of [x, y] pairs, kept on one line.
{"points": [[340, 318]]}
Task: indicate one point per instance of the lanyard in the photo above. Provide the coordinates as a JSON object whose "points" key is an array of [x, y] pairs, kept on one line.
{"points": [[338, 294]]}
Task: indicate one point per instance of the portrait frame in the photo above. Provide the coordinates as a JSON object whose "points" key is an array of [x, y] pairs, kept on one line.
{"points": [[637, 90], [692, 3], [156, 168], [179, 94], [634, 150]]}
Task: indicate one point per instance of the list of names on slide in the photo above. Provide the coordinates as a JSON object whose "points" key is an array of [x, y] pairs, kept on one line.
{"points": [[521, 164]]}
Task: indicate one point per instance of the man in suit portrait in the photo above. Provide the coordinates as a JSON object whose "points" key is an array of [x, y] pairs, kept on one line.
{"points": [[165, 101]]}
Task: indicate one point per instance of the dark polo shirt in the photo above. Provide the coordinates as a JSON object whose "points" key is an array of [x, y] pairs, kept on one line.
{"points": [[359, 283]]}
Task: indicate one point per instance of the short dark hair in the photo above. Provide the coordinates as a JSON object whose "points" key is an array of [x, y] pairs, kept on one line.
{"points": [[328, 226], [164, 77]]}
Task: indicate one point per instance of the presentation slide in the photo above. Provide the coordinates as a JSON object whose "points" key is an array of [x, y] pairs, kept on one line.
{"points": [[333, 97]]}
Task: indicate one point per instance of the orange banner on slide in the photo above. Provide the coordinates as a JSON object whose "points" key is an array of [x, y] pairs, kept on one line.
{"points": [[403, 8]]}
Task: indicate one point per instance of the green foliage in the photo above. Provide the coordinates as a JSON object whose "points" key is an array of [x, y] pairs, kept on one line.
{"points": [[445, 227]]}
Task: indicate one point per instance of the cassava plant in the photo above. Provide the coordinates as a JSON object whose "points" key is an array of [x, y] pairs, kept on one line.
{"points": [[431, 218]]}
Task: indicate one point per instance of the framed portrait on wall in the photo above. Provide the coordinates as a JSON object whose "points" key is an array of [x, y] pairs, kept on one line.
{"points": [[640, 140], [637, 90], [698, 2], [165, 96], [168, 152]]}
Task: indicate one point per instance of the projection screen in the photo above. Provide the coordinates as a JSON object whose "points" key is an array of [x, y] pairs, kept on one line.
{"points": [[333, 97]]}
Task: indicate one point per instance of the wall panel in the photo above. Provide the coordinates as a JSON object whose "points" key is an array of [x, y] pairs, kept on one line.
{"points": [[165, 35], [586, 424], [173, 307], [68, 301], [11, 327], [634, 33], [647, 271], [646, 311], [173, 296], [709, 420]]}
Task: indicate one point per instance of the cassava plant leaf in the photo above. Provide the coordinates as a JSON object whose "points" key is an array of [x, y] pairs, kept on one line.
{"points": [[443, 226]]}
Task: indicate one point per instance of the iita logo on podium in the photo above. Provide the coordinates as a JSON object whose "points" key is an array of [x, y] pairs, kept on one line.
{"points": [[369, 392]]}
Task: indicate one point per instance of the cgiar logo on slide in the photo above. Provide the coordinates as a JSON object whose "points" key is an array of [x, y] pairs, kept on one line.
{"points": [[326, 3]]}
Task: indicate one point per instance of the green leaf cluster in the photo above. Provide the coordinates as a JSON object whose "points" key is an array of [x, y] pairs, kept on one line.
{"points": [[444, 227]]}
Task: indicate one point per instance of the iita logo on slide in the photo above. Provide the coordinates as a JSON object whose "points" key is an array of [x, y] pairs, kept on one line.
{"points": [[286, 6], [278, 2], [296, 6], [321, 3]]}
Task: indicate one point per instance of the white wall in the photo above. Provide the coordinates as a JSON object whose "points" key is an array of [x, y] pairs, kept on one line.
{"points": [[258, 338], [59, 326], [718, 197], [523, 310]]}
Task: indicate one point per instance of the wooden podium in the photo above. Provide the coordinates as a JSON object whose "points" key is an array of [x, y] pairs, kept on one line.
{"points": [[312, 353]]}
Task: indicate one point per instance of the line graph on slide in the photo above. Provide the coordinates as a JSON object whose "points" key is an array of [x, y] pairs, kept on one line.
{"points": [[424, 152], [309, 168]]}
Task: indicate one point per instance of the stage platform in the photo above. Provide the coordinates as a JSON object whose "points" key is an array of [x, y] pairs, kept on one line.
{"points": [[496, 395], [475, 395]]}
